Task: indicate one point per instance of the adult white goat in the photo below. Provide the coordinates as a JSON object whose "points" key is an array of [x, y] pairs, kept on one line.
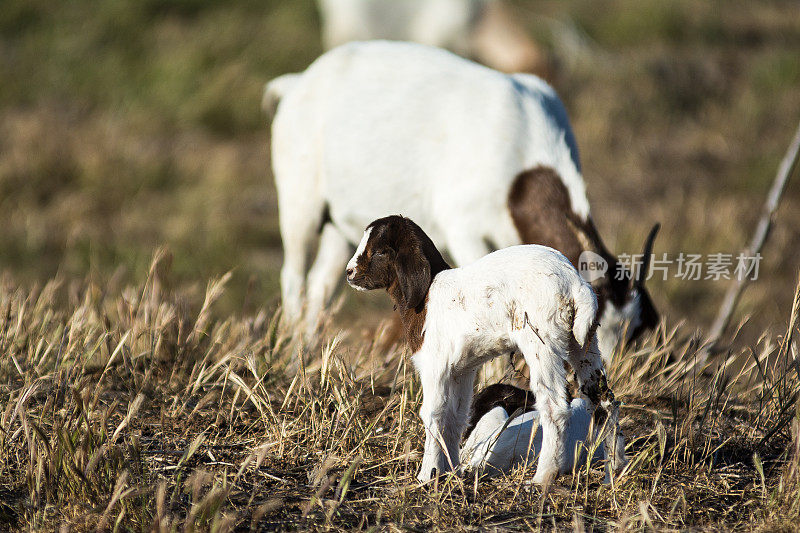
{"points": [[527, 299], [481, 160]]}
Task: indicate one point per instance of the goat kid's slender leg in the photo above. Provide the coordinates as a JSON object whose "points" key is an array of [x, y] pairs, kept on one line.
{"points": [[325, 275], [548, 383], [445, 407], [592, 383]]}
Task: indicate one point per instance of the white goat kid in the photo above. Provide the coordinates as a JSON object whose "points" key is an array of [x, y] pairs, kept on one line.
{"points": [[480, 159], [528, 299]]}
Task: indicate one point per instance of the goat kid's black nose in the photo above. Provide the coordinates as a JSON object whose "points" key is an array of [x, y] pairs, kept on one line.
{"points": [[350, 272]]}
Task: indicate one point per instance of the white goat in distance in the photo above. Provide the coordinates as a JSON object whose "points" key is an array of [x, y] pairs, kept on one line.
{"points": [[480, 29]]}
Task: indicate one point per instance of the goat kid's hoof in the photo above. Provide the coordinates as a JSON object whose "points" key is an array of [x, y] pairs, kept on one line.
{"points": [[424, 477], [433, 474], [543, 479]]}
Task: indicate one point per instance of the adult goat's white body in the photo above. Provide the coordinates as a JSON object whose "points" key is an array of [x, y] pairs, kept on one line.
{"points": [[481, 160], [384, 127]]}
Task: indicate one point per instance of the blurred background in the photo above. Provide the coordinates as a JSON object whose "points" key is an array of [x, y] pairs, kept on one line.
{"points": [[130, 124]]}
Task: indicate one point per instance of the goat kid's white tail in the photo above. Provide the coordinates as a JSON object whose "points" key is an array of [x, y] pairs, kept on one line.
{"points": [[585, 302]]}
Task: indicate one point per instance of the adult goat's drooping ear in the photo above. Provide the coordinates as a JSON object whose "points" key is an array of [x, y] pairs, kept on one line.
{"points": [[641, 276], [413, 276]]}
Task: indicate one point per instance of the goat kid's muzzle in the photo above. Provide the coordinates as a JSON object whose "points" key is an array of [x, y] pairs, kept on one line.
{"points": [[356, 281]]}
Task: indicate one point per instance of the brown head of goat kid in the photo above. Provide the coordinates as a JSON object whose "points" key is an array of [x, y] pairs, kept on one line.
{"points": [[528, 299]]}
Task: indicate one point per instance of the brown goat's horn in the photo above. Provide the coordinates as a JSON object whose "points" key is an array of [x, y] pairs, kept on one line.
{"points": [[648, 250]]}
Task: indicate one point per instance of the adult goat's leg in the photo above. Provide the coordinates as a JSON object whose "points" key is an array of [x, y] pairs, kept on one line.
{"points": [[325, 275], [299, 235]]}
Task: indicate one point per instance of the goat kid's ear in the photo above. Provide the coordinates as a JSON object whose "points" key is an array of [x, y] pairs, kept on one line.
{"points": [[413, 276]]}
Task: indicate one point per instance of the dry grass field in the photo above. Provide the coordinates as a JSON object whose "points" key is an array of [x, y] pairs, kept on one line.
{"points": [[143, 381]]}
